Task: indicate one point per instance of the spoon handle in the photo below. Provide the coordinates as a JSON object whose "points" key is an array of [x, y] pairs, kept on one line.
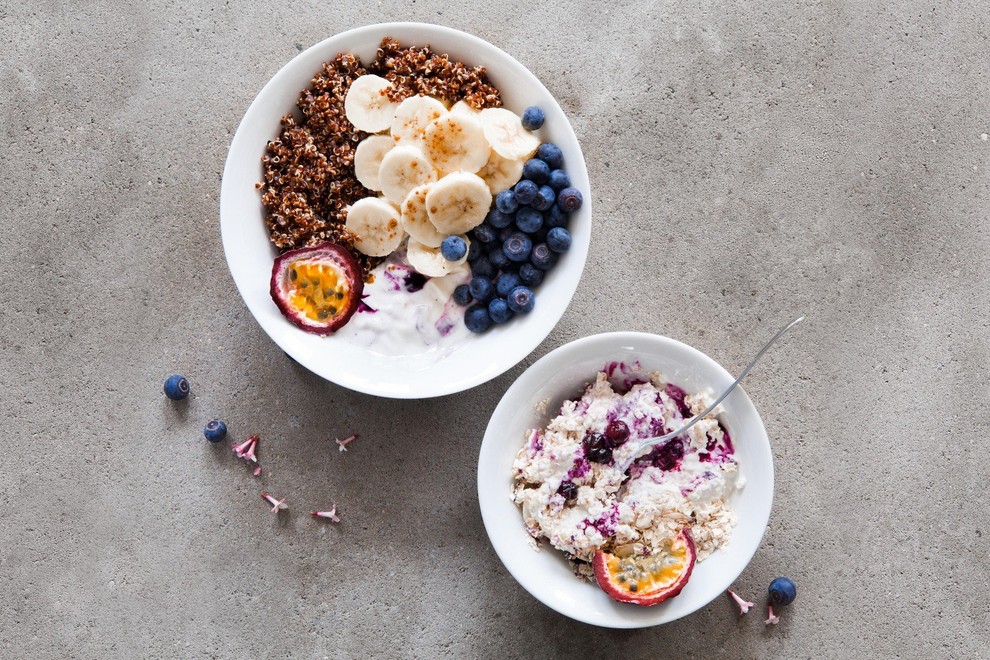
{"points": [[653, 442]]}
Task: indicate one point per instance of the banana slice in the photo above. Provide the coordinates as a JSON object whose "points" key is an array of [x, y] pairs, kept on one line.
{"points": [[458, 203], [413, 116], [505, 132], [368, 159], [429, 261], [462, 108], [403, 168], [366, 105], [416, 221], [500, 173], [375, 222], [456, 143]]}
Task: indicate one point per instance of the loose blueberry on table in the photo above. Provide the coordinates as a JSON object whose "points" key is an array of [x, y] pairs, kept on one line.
{"points": [[176, 387], [215, 430]]}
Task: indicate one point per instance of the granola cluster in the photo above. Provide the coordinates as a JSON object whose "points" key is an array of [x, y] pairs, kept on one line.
{"points": [[309, 169]]}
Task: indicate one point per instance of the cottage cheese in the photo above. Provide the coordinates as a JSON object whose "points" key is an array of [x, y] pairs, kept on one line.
{"points": [[662, 492]]}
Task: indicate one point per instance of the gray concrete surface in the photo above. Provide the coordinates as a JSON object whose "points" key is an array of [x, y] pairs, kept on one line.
{"points": [[749, 161]]}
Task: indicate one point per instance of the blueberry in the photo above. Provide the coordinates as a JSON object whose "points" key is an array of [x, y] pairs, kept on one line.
{"points": [[477, 319], [481, 289], [505, 233], [484, 233], [499, 310], [176, 387], [667, 455], [551, 154], [482, 266], [616, 433], [215, 430], [453, 248], [529, 220], [517, 247], [506, 201], [505, 283], [521, 300], [499, 220], [570, 199], [543, 257], [544, 198], [525, 191], [536, 171], [532, 118], [596, 448], [559, 240], [782, 591], [498, 258], [462, 294], [556, 217], [474, 251], [568, 490], [602, 455], [530, 275], [559, 179]]}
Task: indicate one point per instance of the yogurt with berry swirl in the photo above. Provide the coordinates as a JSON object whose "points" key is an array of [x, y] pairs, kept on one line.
{"points": [[572, 495]]}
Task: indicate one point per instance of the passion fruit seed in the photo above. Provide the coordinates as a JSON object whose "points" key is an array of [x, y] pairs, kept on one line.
{"points": [[316, 303]]}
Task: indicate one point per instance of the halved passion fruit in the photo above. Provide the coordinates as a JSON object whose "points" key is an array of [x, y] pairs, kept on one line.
{"points": [[317, 288], [629, 577]]}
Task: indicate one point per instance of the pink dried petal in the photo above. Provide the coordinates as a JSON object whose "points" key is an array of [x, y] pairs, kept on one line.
{"points": [[772, 619], [331, 514], [257, 471], [346, 441], [276, 503], [246, 449], [744, 605]]}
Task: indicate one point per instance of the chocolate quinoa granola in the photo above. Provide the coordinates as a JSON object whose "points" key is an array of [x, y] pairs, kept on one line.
{"points": [[309, 169]]}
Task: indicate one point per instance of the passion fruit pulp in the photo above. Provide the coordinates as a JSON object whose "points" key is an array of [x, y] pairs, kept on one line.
{"points": [[629, 576], [317, 288]]}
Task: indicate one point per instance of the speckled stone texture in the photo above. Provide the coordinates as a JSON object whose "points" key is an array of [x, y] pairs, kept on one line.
{"points": [[749, 162]]}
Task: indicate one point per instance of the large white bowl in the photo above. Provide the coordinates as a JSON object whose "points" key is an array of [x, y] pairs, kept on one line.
{"points": [[250, 253], [561, 375]]}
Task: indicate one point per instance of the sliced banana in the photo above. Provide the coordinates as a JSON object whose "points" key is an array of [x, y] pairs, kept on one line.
{"points": [[413, 116], [462, 107], [504, 131], [500, 173], [456, 143], [429, 261], [404, 168], [375, 222], [367, 106], [458, 203], [416, 221], [368, 159]]}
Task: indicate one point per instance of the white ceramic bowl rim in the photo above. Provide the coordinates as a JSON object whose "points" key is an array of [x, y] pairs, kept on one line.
{"points": [[545, 574], [246, 243]]}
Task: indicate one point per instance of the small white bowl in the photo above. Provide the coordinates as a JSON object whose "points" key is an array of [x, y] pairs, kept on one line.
{"points": [[250, 253], [561, 375]]}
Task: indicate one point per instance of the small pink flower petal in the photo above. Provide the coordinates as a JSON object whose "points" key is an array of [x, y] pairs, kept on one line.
{"points": [[331, 514], [257, 471], [744, 605], [246, 450], [772, 619], [277, 504], [346, 441]]}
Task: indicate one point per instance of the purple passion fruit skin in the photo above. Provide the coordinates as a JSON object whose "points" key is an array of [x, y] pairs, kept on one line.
{"points": [[317, 288]]}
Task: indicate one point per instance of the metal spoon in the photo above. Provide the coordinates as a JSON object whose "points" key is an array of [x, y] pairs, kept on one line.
{"points": [[650, 443]]}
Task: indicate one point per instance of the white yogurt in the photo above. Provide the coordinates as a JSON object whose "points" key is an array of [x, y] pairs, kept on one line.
{"points": [[408, 321]]}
